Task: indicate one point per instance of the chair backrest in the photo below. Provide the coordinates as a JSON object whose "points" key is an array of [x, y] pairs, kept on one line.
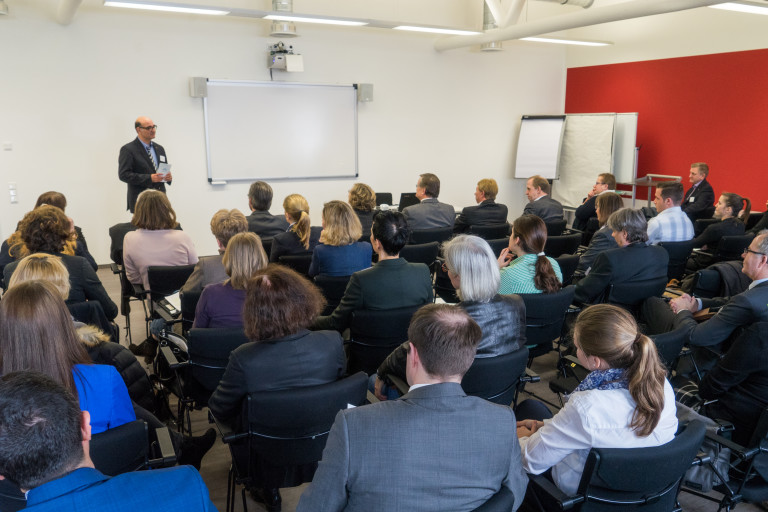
{"points": [[189, 302], [209, 351], [266, 243], [424, 236], [383, 198], [643, 479], [629, 295], [555, 227], [421, 253], [498, 245], [333, 288], [706, 283], [407, 199], [700, 224], [443, 286], [490, 231], [166, 280], [91, 312], [562, 244], [669, 345], [298, 262], [374, 334], [544, 317], [496, 378], [678, 256], [731, 247], [121, 449], [568, 264], [290, 427], [753, 219]]}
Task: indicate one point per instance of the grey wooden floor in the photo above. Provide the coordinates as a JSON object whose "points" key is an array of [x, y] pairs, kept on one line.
{"points": [[216, 463]]}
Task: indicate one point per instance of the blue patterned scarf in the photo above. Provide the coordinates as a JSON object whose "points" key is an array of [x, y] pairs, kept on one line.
{"points": [[612, 378]]}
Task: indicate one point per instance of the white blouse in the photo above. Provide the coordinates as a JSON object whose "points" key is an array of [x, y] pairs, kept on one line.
{"points": [[594, 418]]}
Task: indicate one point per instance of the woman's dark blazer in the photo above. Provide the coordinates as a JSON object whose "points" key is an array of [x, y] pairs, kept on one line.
{"points": [[288, 243]]}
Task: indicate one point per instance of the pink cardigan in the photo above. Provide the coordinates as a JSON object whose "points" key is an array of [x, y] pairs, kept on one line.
{"points": [[143, 248]]}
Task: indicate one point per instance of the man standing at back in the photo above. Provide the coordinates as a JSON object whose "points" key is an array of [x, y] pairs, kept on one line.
{"points": [[139, 161], [260, 221], [671, 224], [435, 448], [44, 449], [487, 211], [700, 196], [429, 213], [537, 191]]}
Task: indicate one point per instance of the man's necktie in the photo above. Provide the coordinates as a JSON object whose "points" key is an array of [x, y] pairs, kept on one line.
{"points": [[149, 152]]}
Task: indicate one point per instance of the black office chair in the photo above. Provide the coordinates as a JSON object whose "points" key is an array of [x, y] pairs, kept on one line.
{"points": [[286, 428], [642, 479], [126, 448], [333, 288], [498, 379], [443, 286], [631, 295], [498, 245], [91, 313], [127, 292], [555, 227], [374, 334], [383, 198], [753, 219], [189, 302], [544, 319], [194, 375], [678, 256], [407, 199], [562, 244], [592, 226], [298, 262], [490, 231], [424, 236], [568, 264], [706, 284], [421, 253], [699, 225], [669, 346], [731, 248]]}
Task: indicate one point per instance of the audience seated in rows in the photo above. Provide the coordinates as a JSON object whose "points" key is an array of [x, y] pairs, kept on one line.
{"points": [[429, 213], [221, 304], [605, 183], [727, 212], [671, 224], [632, 262], [339, 252], [700, 197], [260, 221], [390, 284], [602, 240], [362, 199], [209, 269], [624, 402], [487, 212], [44, 449], [531, 271], [47, 230], [301, 237], [387, 455], [283, 354], [540, 203], [474, 273]]}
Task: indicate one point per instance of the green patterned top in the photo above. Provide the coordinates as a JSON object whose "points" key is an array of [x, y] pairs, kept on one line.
{"points": [[518, 276]]}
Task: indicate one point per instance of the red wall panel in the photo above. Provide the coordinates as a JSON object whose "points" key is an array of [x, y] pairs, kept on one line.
{"points": [[709, 108]]}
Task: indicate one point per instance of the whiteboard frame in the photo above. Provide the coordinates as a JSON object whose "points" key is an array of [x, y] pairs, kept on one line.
{"points": [[531, 118]]}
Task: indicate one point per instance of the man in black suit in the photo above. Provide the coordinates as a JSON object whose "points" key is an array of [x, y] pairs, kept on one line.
{"points": [[605, 183], [139, 160], [633, 262], [700, 196], [391, 283], [537, 191], [260, 221], [487, 211]]}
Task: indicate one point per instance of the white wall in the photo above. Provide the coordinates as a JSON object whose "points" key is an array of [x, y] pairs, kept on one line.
{"points": [[71, 93]]}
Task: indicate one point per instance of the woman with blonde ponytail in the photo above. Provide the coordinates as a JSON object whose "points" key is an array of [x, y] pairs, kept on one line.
{"points": [[300, 237], [625, 402]]}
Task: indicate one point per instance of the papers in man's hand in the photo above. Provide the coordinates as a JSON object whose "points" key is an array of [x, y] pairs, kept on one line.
{"points": [[163, 169]]}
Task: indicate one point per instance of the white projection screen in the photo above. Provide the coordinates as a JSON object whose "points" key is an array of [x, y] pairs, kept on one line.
{"points": [[279, 130]]}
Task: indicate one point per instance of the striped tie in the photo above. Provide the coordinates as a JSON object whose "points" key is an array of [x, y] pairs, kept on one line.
{"points": [[149, 152]]}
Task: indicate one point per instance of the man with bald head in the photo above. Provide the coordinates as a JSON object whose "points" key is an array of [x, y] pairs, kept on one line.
{"points": [[140, 160]]}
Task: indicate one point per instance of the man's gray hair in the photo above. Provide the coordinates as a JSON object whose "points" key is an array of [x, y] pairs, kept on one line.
{"points": [[762, 241], [471, 258], [631, 221]]}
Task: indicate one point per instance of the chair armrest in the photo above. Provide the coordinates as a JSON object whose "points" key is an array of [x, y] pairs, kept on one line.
{"points": [[139, 290], [401, 386], [701, 459], [699, 251], [170, 358], [736, 449], [167, 455], [549, 493], [530, 376], [116, 269], [227, 433]]}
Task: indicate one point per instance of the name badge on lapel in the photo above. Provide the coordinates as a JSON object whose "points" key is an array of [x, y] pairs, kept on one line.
{"points": [[162, 158]]}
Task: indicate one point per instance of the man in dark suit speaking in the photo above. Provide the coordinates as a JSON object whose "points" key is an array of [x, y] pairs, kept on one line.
{"points": [[140, 160], [433, 449]]}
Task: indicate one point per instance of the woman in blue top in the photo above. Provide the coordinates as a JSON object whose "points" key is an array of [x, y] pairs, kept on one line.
{"points": [[339, 253], [531, 271], [37, 333]]}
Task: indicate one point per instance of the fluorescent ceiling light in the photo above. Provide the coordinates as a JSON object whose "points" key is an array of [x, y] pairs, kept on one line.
{"points": [[748, 8], [437, 30], [169, 8], [564, 41], [315, 20]]}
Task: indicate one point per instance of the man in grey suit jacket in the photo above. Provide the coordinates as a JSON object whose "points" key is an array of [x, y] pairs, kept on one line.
{"points": [[429, 213], [435, 448], [541, 204], [138, 162], [260, 221]]}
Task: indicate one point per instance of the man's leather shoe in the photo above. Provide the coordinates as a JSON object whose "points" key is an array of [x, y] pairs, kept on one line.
{"points": [[271, 498]]}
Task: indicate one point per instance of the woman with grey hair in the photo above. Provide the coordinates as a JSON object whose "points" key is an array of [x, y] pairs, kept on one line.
{"points": [[471, 266], [632, 262]]}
